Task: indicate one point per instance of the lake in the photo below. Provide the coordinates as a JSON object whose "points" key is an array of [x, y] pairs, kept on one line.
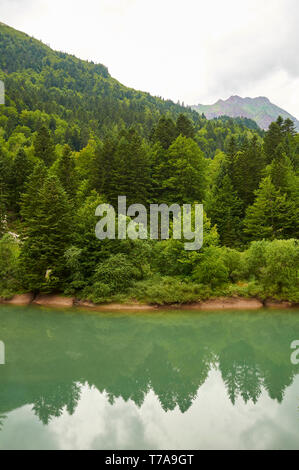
{"points": [[154, 380]]}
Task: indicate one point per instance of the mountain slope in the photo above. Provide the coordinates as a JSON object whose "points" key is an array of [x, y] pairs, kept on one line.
{"points": [[259, 109], [79, 92]]}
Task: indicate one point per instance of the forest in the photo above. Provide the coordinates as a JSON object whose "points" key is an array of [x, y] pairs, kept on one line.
{"points": [[72, 137]]}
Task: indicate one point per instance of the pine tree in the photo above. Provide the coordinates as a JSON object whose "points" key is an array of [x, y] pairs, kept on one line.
{"points": [[272, 215], [30, 197], [282, 174], [274, 136], [185, 127], [48, 234], [130, 175], [231, 165], [165, 132], [20, 171], [249, 164], [44, 146], [64, 169], [160, 172], [106, 166], [226, 212], [187, 172], [288, 127]]}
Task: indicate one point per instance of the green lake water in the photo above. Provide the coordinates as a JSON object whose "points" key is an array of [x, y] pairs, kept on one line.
{"points": [[156, 380]]}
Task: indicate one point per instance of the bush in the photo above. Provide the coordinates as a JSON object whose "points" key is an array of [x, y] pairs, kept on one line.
{"points": [[234, 262], [276, 267], [118, 272], [9, 253], [165, 290], [211, 269], [97, 293], [254, 258], [281, 270]]}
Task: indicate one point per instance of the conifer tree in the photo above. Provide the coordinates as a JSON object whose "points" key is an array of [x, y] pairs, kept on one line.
{"points": [[44, 146], [272, 215], [274, 136], [185, 127], [248, 167], [30, 197], [160, 172], [64, 169], [165, 132], [282, 174], [187, 172], [226, 212], [131, 170], [288, 127], [20, 171], [48, 234], [106, 166]]}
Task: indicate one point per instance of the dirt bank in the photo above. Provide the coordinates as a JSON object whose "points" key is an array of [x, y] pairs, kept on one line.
{"points": [[114, 306], [226, 303], [221, 303], [22, 299], [54, 301]]}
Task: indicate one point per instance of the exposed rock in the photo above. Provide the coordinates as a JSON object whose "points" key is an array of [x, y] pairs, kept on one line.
{"points": [[260, 110]]}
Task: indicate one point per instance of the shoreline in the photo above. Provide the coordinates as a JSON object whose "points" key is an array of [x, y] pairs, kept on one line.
{"points": [[220, 303]]}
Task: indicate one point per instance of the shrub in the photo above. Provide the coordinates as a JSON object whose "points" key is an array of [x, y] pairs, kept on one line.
{"points": [[9, 253], [165, 290], [234, 262], [281, 270], [211, 269], [275, 266], [118, 272]]}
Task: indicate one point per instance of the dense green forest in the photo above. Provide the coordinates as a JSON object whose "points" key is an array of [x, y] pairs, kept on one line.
{"points": [[72, 137]]}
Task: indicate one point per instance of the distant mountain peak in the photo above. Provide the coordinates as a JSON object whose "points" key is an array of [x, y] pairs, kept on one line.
{"points": [[260, 109]]}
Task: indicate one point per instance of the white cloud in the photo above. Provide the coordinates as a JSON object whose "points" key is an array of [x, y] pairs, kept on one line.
{"points": [[194, 51]]}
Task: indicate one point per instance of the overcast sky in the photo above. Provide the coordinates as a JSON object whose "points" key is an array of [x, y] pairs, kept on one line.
{"points": [[195, 51]]}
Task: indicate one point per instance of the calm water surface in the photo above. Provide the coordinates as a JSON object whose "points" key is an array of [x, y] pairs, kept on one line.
{"points": [[162, 380]]}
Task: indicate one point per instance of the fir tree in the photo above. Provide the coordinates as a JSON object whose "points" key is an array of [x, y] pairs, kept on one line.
{"points": [[272, 215], [48, 234], [226, 212], [274, 136], [44, 146], [131, 170], [248, 167], [187, 172], [165, 132], [30, 197], [64, 169], [185, 127], [20, 171]]}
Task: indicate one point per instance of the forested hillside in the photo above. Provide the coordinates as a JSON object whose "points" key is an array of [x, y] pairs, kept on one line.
{"points": [[78, 97], [72, 137]]}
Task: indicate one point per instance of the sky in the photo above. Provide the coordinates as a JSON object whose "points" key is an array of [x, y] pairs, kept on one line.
{"points": [[192, 51]]}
